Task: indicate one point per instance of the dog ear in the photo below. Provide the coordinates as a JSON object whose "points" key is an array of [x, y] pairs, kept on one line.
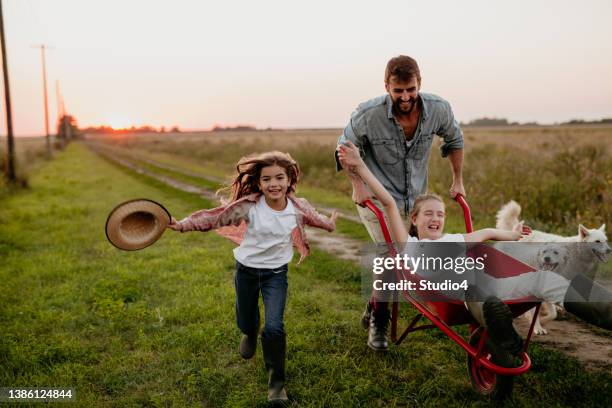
{"points": [[603, 228], [583, 231]]}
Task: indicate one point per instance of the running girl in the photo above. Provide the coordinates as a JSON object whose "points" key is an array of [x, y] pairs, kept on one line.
{"points": [[266, 219]]}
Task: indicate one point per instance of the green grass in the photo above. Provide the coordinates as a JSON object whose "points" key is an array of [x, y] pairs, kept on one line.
{"points": [[156, 327], [30, 153]]}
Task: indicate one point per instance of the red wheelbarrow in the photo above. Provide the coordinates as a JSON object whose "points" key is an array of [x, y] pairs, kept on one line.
{"points": [[487, 377]]}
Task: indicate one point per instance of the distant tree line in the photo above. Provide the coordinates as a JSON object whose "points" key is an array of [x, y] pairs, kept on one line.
{"points": [[496, 122], [239, 128], [133, 129], [606, 121], [486, 121], [66, 130]]}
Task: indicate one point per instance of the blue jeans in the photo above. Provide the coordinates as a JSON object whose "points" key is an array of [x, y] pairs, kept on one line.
{"points": [[273, 286]]}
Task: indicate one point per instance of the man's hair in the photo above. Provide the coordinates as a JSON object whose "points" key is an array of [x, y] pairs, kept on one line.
{"points": [[403, 68]]}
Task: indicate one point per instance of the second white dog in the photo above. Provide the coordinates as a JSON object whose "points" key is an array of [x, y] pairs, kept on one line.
{"points": [[558, 254]]}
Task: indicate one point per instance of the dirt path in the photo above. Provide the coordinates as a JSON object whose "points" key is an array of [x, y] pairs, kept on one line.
{"points": [[569, 336], [179, 185], [575, 339]]}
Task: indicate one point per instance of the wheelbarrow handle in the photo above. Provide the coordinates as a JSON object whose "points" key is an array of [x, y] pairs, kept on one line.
{"points": [[467, 215]]}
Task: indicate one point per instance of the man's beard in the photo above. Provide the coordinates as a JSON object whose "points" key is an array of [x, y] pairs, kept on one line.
{"points": [[399, 109]]}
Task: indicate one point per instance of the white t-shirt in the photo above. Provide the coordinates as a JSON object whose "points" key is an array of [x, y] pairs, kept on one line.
{"points": [[414, 245], [446, 238], [267, 241], [443, 238]]}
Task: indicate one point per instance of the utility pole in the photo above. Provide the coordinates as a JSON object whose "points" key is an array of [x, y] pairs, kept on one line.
{"points": [[10, 170], [43, 47]]}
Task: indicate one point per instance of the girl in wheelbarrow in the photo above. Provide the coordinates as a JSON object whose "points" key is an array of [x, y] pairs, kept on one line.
{"points": [[580, 296]]}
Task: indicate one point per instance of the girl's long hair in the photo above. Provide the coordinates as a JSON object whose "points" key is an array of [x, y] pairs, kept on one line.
{"points": [[248, 172], [416, 207]]}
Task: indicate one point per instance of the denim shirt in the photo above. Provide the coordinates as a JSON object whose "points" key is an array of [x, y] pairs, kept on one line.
{"points": [[401, 167]]}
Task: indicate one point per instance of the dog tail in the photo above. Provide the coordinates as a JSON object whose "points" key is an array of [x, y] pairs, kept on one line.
{"points": [[508, 216]]}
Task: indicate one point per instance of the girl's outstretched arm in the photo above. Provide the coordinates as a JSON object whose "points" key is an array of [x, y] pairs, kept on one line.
{"points": [[313, 218], [498, 234], [350, 159], [206, 220]]}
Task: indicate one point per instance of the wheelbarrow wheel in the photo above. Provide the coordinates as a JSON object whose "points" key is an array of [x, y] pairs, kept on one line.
{"points": [[485, 381]]}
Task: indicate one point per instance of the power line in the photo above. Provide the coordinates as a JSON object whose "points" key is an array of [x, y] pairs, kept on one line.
{"points": [[44, 47]]}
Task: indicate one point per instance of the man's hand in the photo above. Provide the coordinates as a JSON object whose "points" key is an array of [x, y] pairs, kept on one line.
{"points": [[455, 157], [457, 188]]}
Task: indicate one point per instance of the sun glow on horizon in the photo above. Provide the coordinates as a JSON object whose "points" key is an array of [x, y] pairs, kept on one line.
{"points": [[118, 123]]}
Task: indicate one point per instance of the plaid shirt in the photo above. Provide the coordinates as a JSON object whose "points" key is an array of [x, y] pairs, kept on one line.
{"points": [[231, 220]]}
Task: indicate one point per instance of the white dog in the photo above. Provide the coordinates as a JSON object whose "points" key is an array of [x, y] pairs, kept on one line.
{"points": [[565, 259], [551, 257]]}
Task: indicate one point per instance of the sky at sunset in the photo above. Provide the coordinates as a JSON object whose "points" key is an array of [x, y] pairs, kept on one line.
{"points": [[293, 64]]}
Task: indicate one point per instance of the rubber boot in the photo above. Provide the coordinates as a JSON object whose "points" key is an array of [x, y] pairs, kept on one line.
{"points": [[589, 301], [496, 316], [274, 352], [248, 345], [377, 334]]}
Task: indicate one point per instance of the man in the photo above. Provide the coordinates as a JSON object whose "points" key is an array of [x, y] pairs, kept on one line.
{"points": [[394, 133]]}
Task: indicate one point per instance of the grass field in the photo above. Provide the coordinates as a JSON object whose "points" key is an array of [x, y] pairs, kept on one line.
{"points": [[30, 152], [560, 175], [156, 327]]}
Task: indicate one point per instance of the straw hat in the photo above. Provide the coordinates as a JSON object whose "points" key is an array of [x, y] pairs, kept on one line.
{"points": [[136, 224]]}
